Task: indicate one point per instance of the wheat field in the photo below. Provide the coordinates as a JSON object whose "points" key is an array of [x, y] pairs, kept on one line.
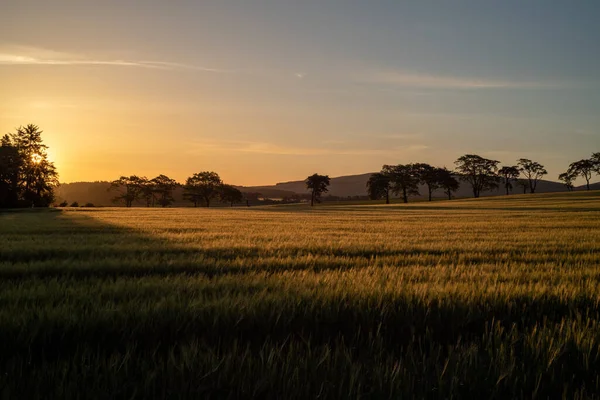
{"points": [[488, 298]]}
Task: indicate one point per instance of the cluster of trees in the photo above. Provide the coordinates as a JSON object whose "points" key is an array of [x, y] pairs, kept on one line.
{"points": [[480, 173], [27, 178], [200, 188], [584, 168]]}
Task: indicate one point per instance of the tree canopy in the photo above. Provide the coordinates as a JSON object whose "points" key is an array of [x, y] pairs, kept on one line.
{"points": [[317, 184], [509, 174], [27, 177], [479, 172], [533, 172], [202, 187], [584, 168]]}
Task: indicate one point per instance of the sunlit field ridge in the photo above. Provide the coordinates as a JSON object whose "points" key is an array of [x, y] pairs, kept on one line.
{"points": [[495, 297]]}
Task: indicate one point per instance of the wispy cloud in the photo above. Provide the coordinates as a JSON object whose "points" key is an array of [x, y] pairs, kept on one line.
{"points": [[18, 55], [276, 149], [428, 81]]}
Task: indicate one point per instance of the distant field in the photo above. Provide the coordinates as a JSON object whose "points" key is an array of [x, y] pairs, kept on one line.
{"points": [[490, 298]]}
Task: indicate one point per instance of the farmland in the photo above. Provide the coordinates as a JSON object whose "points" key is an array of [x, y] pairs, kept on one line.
{"points": [[487, 298]]}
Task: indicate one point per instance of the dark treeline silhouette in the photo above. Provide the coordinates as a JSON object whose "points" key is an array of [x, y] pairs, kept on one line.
{"points": [[27, 178], [480, 173], [200, 189]]}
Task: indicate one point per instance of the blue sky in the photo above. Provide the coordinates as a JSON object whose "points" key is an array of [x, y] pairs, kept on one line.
{"points": [[266, 91]]}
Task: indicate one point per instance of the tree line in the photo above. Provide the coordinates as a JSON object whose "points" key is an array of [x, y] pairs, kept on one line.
{"points": [[480, 173], [200, 189], [27, 178]]}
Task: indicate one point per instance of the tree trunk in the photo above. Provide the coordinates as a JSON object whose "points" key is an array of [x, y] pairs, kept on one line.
{"points": [[429, 189], [588, 184], [312, 198], [404, 195], [449, 195], [387, 196]]}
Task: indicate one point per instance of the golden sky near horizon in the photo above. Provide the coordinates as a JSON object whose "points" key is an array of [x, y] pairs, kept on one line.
{"points": [[263, 92]]}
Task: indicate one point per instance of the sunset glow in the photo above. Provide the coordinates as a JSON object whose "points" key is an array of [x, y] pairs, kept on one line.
{"points": [[273, 92]]}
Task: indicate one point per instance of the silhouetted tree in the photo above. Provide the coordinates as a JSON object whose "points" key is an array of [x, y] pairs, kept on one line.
{"points": [[523, 183], [428, 176], [63, 204], [37, 177], [378, 186], [446, 180], [404, 178], [533, 171], [230, 194], [163, 187], [11, 162], [129, 188], [74, 204], [317, 184], [596, 160], [479, 172], [509, 173], [147, 191], [203, 186], [568, 178], [583, 168]]}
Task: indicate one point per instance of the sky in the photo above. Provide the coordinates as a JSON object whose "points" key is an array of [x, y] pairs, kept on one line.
{"points": [[270, 91]]}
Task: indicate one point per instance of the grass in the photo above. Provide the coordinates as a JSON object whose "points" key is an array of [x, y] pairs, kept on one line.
{"points": [[489, 298]]}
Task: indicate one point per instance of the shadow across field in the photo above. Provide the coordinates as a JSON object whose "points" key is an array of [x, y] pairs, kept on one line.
{"points": [[89, 307]]}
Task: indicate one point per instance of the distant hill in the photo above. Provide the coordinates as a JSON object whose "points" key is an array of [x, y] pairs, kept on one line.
{"points": [[342, 186]]}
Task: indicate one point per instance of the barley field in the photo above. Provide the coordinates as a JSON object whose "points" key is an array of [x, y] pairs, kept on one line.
{"points": [[490, 298]]}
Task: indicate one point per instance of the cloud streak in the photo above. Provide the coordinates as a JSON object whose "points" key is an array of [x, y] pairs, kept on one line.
{"points": [[35, 56], [275, 149]]}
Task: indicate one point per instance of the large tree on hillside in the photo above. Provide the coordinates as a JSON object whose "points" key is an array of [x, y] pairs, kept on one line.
{"points": [[509, 174], [428, 176], [230, 194], [568, 178], [379, 186], [584, 168], [129, 189], [404, 178], [479, 172], [202, 187], [533, 172], [317, 184], [163, 188], [446, 180]]}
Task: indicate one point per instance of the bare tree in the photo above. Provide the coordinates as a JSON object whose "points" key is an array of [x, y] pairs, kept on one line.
{"points": [[533, 172]]}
